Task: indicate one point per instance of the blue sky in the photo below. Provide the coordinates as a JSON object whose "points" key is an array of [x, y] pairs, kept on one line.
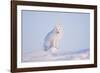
{"points": [[37, 24]]}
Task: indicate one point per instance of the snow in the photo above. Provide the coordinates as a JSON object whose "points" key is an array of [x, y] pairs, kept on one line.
{"points": [[42, 55]]}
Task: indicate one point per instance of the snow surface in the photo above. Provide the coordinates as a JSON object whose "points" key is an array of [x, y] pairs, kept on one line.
{"points": [[42, 55]]}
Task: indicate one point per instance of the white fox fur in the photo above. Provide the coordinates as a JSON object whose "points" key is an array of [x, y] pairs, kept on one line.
{"points": [[53, 38]]}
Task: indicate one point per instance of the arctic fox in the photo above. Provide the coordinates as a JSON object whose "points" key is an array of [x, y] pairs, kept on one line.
{"points": [[52, 39]]}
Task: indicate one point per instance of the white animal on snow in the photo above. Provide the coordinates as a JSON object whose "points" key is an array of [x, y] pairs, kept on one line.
{"points": [[52, 39]]}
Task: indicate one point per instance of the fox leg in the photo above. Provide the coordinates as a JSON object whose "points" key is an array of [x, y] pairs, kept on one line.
{"points": [[53, 48], [57, 43], [54, 43]]}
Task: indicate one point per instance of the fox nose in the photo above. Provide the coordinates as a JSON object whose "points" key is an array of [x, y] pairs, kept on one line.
{"points": [[57, 31]]}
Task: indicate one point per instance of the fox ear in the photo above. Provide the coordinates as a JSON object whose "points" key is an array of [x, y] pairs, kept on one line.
{"points": [[58, 23]]}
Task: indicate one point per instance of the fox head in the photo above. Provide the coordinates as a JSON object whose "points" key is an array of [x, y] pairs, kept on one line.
{"points": [[58, 28]]}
